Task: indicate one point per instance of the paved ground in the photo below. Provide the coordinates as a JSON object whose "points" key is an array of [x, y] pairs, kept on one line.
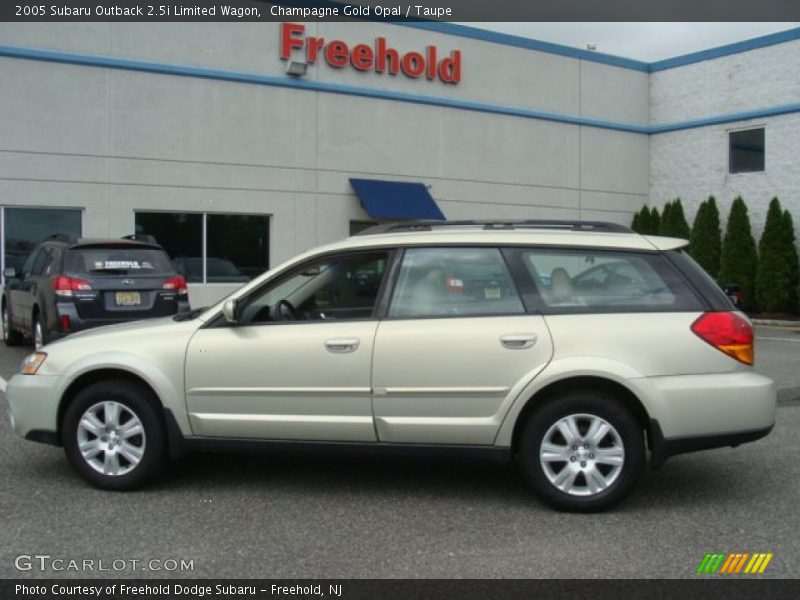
{"points": [[311, 516]]}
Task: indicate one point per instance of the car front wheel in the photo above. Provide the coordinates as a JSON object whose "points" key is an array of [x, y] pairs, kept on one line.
{"points": [[113, 436], [10, 336], [582, 451]]}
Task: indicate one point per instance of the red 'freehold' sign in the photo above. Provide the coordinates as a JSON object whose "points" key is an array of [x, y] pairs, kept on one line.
{"points": [[363, 57]]}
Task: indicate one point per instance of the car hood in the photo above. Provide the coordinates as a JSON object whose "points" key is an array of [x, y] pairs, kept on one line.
{"points": [[154, 345], [151, 326]]}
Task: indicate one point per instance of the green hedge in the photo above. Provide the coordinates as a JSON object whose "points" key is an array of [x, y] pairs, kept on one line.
{"points": [[768, 276]]}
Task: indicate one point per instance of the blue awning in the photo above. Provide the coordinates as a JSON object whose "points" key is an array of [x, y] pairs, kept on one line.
{"points": [[396, 199]]}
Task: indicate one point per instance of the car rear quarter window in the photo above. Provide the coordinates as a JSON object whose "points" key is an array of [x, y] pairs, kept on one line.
{"points": [[117, 260], [710, 290], [589, 280]]}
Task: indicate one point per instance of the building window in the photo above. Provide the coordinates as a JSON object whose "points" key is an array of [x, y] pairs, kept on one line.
{"points": [[211, 248], [24, 228], [746, 150]]}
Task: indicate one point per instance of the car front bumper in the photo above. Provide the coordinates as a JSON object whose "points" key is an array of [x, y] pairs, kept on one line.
{"points": [[33, 402]]}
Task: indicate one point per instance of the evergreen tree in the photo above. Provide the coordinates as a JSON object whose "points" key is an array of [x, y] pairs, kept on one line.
{"points": [[792, 258], [655, 221], [641, 221], [706, 240], [738, 258], [775, 289], [665, 225], [677, 225]]}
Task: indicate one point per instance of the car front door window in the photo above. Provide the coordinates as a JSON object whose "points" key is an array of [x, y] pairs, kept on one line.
{"points": [[335, 288]]}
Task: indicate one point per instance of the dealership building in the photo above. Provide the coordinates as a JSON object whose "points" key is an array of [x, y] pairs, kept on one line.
{"points": [[238, 145]]}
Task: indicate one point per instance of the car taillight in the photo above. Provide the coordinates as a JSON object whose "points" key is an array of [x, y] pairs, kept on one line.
{"points": [[177, 283], [65, 323], [64, 286], [728, 333]]}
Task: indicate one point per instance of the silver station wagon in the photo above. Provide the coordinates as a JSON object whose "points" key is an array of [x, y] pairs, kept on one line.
{"points": [[579, 350]]}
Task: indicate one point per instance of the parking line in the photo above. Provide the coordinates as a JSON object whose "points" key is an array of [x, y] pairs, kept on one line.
{"points": [[777, 339]]}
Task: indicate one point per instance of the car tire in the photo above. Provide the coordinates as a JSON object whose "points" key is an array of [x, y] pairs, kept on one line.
{"points": [[37, 332], [582, 451], [114, 436], [11, 336]]}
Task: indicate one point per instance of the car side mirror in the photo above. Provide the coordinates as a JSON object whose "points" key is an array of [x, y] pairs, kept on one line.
{"points": [[230, 310], [9, 273]]}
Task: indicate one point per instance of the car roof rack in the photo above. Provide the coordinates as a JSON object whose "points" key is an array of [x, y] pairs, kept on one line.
{"points": [[142, 237], [430, 225], [61, 237]]}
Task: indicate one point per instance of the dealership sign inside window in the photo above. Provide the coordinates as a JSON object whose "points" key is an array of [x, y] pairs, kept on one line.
{"points": [[379, 57]]}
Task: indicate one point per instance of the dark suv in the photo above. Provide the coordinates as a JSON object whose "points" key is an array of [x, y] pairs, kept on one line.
{"points": [[69, 285]]}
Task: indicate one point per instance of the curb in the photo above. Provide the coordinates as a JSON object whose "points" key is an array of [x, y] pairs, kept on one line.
{"points": [[776, 322]]}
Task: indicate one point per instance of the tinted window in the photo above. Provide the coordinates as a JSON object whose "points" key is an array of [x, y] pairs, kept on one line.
{"points": [[596, 281], [235, 248], [344, 287], [117, 261], [712, 292], [454, 282], [42, 258], [24, 228], [53, 257], [746, 150]]}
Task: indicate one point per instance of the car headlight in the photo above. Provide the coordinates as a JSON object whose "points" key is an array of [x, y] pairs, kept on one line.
{"points": [[32, 363]]}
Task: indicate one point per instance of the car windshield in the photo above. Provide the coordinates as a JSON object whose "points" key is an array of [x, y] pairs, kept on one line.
{"points": [[117, 260]]}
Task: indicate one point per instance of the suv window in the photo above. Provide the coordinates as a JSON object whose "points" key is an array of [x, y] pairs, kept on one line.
{"points": [[595, 280], [117, 260], [341, 287], [454, 282], [39, 261]]}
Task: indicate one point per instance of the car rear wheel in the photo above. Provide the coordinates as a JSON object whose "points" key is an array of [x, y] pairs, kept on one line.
{"points": [[10, 336], [113, 436], [37, 333], [582, 451]]}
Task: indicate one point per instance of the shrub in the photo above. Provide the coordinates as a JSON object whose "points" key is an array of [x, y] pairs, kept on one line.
{"points": [[738, 258], [641, 220], [706, 240], [665, 223], [794, 261], [636, 223], [655, 221], [775, 289], [674, 223]]}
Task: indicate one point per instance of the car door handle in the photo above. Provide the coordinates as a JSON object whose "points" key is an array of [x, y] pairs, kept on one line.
{"points": [[342, 345], [518, 341]]}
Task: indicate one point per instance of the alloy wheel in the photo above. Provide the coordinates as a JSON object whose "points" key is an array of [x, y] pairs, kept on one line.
{"points": [[582, 454], [38, 335], [111, 438], [5, 323]]}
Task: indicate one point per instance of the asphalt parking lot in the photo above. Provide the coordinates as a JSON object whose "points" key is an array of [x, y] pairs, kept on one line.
{"points": [[302, 516]]}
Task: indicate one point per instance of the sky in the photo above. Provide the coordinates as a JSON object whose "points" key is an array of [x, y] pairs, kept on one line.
{"points": [[641, 41]]}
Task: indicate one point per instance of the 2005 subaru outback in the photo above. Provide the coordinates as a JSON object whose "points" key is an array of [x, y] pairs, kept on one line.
{"points": [[573, 348]]}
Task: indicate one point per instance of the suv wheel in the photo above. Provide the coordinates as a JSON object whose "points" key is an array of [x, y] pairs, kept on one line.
{"points": [[581, 452], [113, 436], [10, 336], [37, 333]]}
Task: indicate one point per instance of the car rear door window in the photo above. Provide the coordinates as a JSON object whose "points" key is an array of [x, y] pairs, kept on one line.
{"points": [[442, 282], [581, 280]]}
